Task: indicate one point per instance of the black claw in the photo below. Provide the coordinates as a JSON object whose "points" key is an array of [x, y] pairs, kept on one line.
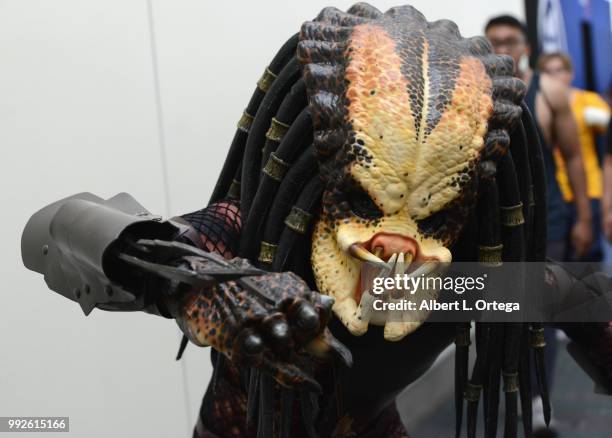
{"points": [[181, 350], [343, 353], [311, 385]]}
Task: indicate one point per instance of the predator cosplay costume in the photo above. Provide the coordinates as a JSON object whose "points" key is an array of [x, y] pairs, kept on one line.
{"points": [[370, 137]]}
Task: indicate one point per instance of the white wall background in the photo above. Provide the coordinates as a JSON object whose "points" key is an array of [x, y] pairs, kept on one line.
{"points": [[78, 112]]}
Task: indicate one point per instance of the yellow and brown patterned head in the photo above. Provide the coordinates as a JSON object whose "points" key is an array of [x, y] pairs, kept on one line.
{"points": [[403, 112]]}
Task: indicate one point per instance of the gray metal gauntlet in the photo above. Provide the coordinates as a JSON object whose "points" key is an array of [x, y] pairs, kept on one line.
{"points": [[74, 243]]}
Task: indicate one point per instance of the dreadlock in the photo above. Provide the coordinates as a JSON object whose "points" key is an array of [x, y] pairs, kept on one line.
{"points": [[277, 167]]}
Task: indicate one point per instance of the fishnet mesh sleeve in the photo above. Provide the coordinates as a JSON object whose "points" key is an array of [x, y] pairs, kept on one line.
{"points": [[219, 226]]}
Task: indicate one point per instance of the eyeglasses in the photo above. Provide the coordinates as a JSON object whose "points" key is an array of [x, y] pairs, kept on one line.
{"points": [[555, 71], [510, 43]]}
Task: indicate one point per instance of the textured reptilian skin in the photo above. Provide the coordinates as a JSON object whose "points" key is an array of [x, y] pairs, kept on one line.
{"points": [[227, 315], [261, 321], [405, 106]]}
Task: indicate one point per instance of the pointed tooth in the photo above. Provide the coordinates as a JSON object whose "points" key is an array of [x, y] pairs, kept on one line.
{"points": [[399, 266], [391, 261], [365, 307], [386, 268], [361, 253], [398, 272], [408, 257], [425, 269], [407, 261]]}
